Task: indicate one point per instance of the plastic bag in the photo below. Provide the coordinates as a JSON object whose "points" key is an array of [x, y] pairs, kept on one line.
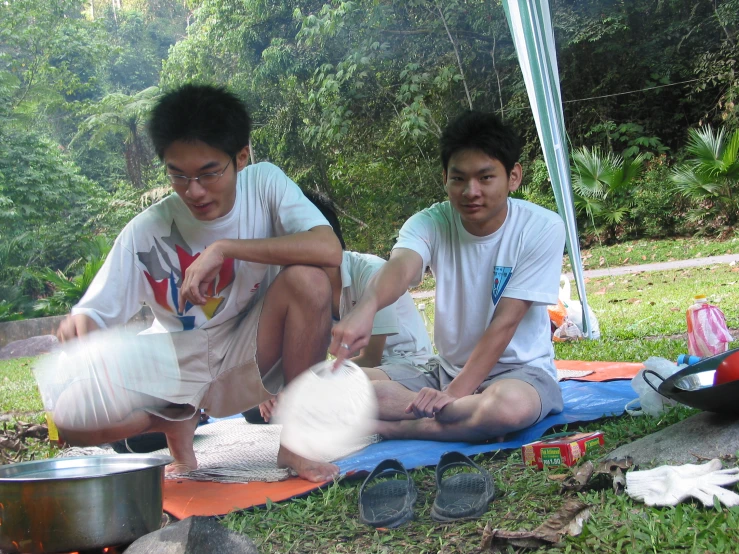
{"points": [[567, 331], [326, 412], [708, 334], [95, 382], [574, 308], [650, 401], [557, 314]]}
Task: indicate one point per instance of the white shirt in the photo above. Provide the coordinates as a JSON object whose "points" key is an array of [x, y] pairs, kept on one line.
{"points": [[522, 259], [149, 257], [401, 321]]}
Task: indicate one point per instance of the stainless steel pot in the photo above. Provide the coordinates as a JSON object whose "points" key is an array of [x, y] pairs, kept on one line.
{"points": [[71, 504]]}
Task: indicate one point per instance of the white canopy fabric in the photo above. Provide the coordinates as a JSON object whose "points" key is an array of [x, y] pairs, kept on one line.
{"points": [[531, 27]]}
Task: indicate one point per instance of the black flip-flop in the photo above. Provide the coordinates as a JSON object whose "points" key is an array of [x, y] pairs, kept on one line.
{"points": [[384, 500], [463, 495]]}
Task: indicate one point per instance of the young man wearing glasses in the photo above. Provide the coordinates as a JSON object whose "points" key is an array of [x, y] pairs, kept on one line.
{"points": [[204, 260]]}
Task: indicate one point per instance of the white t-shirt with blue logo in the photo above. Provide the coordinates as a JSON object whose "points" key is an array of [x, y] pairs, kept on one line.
{"points": [[522, 259]]}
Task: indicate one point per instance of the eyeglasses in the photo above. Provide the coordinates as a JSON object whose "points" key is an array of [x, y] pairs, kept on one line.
{"points": [[206, 179]]}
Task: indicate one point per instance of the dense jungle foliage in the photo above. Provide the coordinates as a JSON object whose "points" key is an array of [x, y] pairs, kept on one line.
{"points": [[349, 98]]}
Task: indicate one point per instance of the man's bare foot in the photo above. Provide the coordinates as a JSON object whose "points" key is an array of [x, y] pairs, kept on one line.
{"points": [[316, 472], [180, 441]]}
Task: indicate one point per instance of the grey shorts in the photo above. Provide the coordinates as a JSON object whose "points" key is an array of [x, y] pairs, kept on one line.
{"points": [[434, 375]]}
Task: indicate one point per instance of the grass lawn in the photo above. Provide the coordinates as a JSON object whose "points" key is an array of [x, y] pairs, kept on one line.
{"points": [[640, 315]]}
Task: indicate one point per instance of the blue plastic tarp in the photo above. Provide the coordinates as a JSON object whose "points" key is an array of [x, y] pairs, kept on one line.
{"points": [[583, 401]]}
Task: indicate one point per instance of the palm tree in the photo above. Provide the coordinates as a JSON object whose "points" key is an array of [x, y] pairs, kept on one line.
{"points": [[602, 183], [711, 176], [124, 116]]}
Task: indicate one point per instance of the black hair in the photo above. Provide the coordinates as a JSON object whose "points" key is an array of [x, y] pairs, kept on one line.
{"points": [[483, 131], [200, 112], [327, 207]]}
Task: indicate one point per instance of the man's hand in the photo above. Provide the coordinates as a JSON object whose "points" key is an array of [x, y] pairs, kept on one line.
{"points": [[268, 407], [429, 402], [352, 333], [201, 273], [75, 326]]}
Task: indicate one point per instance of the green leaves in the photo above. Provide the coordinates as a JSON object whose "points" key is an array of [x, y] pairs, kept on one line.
{"points": [[711, 175], [603, 184]]}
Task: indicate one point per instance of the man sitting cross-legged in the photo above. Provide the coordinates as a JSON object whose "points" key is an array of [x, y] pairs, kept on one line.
{"points": [[497, 264], [201, 260], [398, 332]]}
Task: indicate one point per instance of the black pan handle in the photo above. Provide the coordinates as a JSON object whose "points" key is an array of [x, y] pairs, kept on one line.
{"points": [[648, 382]]}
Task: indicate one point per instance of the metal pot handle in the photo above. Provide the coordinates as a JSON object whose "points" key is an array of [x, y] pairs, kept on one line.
{"points": [[648, 382]]}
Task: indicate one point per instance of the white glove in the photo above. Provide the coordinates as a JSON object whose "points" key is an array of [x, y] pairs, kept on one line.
{"points": [[669, 485]]}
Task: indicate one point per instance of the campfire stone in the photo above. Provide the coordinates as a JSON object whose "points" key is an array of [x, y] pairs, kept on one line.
{"points": [[194, 535], [28, 347], [703, 436]]}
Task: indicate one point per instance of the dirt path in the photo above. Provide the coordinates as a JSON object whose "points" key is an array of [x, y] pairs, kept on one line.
{"points": [[626, 269]]}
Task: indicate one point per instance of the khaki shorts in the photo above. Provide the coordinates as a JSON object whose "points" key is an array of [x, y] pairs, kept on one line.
{"points": [[434, 375], [219, 371]]}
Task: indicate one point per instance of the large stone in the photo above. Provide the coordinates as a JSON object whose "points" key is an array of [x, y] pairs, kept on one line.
{"points": [[704, 435], [194, 535], [28, 347]]}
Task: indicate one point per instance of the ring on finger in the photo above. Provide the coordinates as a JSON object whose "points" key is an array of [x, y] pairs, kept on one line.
{"points": [[344, 345]]}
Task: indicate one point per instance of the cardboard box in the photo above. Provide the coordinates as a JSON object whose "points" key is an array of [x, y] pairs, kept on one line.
{"points": [[560, 449]]}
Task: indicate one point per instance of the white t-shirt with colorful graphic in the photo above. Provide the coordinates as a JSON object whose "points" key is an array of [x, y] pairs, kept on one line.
{"points": [[401, 321], [522, 259], [149, 257]]}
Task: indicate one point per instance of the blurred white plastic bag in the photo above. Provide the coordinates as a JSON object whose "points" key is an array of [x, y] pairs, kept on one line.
{"points": [[574, 308], [324, 411], [96, 381], [651, 402]]}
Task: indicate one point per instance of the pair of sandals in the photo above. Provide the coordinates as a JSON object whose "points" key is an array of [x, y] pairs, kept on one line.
{"points": [[387, 496]]}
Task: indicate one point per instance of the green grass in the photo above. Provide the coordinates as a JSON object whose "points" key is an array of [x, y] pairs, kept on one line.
{"points": [[639, 252], [640, 315], [19, 394], [328, 521]]}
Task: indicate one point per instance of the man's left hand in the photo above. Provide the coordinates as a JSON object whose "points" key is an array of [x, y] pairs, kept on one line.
{"points": [[429, 402], [201, 273]]}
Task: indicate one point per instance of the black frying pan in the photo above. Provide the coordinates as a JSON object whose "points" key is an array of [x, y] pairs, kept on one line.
{"points": [[693, 386]]}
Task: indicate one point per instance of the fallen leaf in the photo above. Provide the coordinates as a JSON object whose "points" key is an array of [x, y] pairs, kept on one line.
{"points": [[625, 260], [601, 291], [643, 257], [581, 477], [601, 261], [629, 249], [674, 309], [568, 520]]}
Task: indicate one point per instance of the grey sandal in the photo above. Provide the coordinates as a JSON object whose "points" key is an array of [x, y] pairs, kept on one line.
{"points": [[464, 495]]}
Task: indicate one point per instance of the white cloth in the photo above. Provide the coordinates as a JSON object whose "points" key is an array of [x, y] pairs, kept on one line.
{"points": [[401, 321], [669, 485], [522, 260], [152, 252]]}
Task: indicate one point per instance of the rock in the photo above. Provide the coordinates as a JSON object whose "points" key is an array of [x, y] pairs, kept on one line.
{"points": [[703, 436], [28, 347], [194, 535]]}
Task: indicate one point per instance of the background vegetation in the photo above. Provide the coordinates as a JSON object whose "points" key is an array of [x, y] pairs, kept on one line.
{"points": [[349, 98]]}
